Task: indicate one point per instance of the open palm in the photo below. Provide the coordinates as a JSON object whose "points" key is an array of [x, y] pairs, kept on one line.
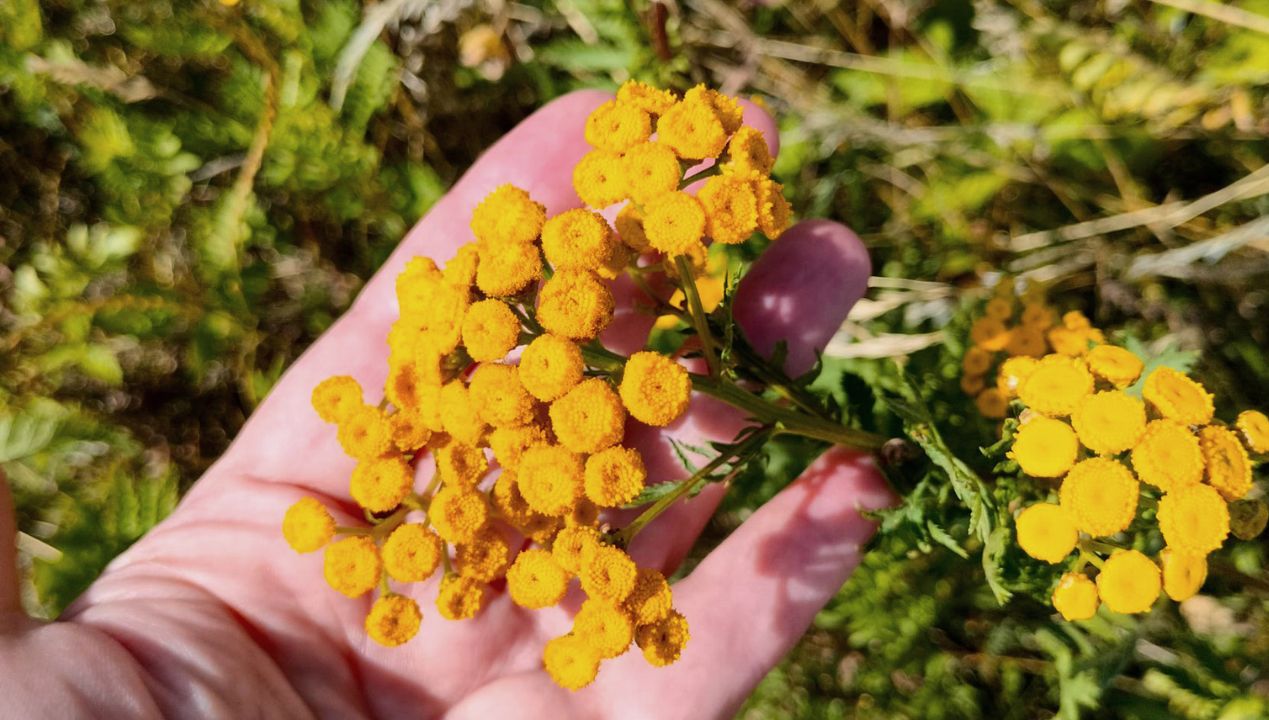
{"points": [[212, 615]]}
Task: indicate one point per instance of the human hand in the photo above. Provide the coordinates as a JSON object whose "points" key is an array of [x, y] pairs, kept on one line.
{"points": [[211, 614]]}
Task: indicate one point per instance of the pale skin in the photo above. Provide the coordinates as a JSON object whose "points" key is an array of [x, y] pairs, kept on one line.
{"points": [[212, 615]]}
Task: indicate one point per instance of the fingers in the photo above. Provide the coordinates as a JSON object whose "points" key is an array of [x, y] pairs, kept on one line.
{"points": [[751, 599], [10, 599]]}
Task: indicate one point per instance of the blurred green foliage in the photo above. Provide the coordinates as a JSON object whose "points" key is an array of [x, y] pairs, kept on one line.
{"points": [[192, 192]]}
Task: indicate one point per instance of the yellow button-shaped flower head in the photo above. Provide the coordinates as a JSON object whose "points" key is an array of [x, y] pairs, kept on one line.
{"points": [[617, 126], [615, 476], [1075, 597], [1012, 372], [577, 239], [1109, 423], [607, 628], [459, 597], [507, 215], [575, 304], [570, 661], [551, 366], [1254, 428], [654, 388], [1168, 456], [335, 397], [1129, 582], [992, 403], [499, 397], [535, 580], [393, 620], [674, 223], [574, 547], [509, 443], [458, 513], [1068, 342], [599, 179], [380, 485], [1228, 467], [1183, 573], [1101, 495], [412, 552], [1046, 532], [629, 225], [1194, 519], [647, 98], [774, 211], [307, 525], [748, 155], [460, 271], [1056, 386], [550, 478], [609, 573], [651, 600], [352, 565], [490, 330], [728, 110], [692, 130], [1026, 342], [662, 642], [652, 170], [1045, 447], [409, 430], [1115, 365], [1000, 307], [460, 414], [731, 208], [364, 433], [976, 361], [1178, 397], [1037, 315], [589, 417], [508, 269], [990, 334], [459, 464], [485, 557]]}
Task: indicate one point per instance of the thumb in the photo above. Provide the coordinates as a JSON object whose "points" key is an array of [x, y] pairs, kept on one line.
{"points": [[10, 600]]}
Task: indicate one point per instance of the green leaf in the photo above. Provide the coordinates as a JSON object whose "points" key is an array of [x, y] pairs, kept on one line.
{"points": [[1170, 357], [24, 434], [99, 361]]}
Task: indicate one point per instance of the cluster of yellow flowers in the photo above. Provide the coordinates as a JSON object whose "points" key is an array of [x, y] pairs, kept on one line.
{"points": [[1004, 346], [1089, 425], [549, 421]]}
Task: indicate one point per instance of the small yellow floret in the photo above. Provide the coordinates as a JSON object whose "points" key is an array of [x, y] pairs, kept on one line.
{"points": [[1115, 365], [1012, 372], [748, 155], [508, 269], [976, 361], [570, 662], [605, 627], [774, 211], [1046, 532], [608, 573], [617, 126], [1045, 447], [1109, 423], [629, 224], [1101, 495], [1178, 397], [651, 600], [728, 109], [490, 330], [577, 239], [550, 478], [409, 430], [509, 443], [1254, 428], [589, 417], [654, 388], [551, 366], [574, 547], [1129, 582], [647, 98], [460, 415], [989, 334], [459, 464], [500, 399], [674, 223], [364, 433], [1168, 456], [599, 179], [507, 215], [535, 580], [412, 552], [460, 598], [652, 170], [692, 129], [1075, 597], [335, 397], [662, 642], [731, 209], [379, 485], [484, 557], [1193, 519], [307, 525], [393, 620], [615, 476], [1026, 342], [1228, 467], [1183, 573], [1056, 386], [999, 307], [460, 271], [458, 514], [575, 304], [1038, 316], [352, 565], [992, 403]]}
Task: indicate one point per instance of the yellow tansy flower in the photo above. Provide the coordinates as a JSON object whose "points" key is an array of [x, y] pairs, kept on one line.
{"points": [[1075, 597], [599, 178], [508, 269], [1000, 308], [662, 642], [989, 334], [674, 223], [459, 464], [550, 478], [1056, 386], [364, 433], [992, 403], [459, 414], [606, 628], [692, 130], [1168, 456], [490, 330], [629, 224], [1115, 365], [508, 501], [1228, 467], [412, 552], [748, 155], [535, 580], [617, 126], [1026, 342], [1101, 495], [409, 430], [551, 366], [1045, 447], [1012, 372], [1046, 532], [574, 547], [460, 271], [380, 485], [352, 565], [1129, 582], [651, 100], [976, 361], [774, 211], [460, 598], [458, 514], [972, 384], [609, 573], [654, 388], [393, 620], [729, 111], [307, 525], [651, 600], [500, 399], [614, 476], [1065, 341], [731, 209], [1193, 519], [577, 239], [589, 417], [335, 397], [1183, 573], [575, 304], [1109, 423], [508, 443], [507, 216], [1037, 315], [651, 170], [584, 513], [1176, 396], [1254, 428], [484, 557], [570, 662]]}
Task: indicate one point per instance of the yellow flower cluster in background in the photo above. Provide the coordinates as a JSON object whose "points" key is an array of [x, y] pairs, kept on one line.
{"points": [[1093, 430], [527, 453]]}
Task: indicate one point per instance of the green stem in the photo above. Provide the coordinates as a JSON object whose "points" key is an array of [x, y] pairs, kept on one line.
{"points": [[709, 172], [699, 321], [390, 523]]}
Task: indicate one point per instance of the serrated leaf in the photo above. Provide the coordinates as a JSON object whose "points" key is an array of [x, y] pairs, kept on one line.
{"points": [[942, 537], [993, 557], [1169, 357], [652, 493]]}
